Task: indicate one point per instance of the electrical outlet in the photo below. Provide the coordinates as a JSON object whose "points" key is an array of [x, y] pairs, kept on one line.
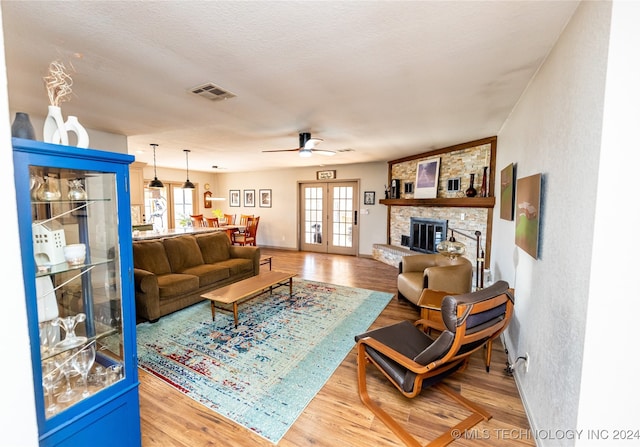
{"points": [[526, 362]]}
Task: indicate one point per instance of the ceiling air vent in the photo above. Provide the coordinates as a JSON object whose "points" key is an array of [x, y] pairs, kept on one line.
{"points": [[212, 92]]}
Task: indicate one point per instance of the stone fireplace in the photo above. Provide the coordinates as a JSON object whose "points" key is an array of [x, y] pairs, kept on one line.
{"points": [[425, 234]]}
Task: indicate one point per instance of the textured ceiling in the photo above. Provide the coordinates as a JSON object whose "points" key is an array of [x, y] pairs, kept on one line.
{"points": [[384, 79]]}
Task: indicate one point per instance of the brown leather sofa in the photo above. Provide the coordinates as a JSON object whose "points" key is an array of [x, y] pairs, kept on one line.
{"points": [[424, 279], [172, 273]]}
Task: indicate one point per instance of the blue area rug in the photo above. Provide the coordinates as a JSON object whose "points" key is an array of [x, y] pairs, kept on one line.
{"points": [[262, 374]]}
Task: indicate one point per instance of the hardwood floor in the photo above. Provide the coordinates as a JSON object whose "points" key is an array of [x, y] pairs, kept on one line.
{"points": [[336, 417]]}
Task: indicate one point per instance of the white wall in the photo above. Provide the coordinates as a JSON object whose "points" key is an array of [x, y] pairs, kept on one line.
{"points": [[609, 387], [17, 410], [278, 224], [557, 130]]}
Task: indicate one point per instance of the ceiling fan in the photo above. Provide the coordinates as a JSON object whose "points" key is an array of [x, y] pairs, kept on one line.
{"points": [[307, 146]]}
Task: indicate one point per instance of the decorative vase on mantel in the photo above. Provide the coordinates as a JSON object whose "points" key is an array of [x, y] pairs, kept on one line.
{"points": [[484, 191], [52, 124], [22, 127], [471, 191]]}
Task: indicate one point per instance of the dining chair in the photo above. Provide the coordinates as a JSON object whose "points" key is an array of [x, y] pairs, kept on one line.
{"points": [[212, 222], [197, 220], [230, 219], [249, 235]]}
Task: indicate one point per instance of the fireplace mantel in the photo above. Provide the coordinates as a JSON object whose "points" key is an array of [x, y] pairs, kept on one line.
{"points": [[463, 202], [462, 213]]}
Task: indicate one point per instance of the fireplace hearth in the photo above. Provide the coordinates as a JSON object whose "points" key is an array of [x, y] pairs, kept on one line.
{"points": [[426, 234]]}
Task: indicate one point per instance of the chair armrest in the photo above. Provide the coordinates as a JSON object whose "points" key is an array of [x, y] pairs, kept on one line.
{"points": [[453, 278], [417, 263]]}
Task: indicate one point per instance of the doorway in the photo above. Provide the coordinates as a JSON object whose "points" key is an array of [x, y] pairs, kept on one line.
{"points": [[329, 217]]}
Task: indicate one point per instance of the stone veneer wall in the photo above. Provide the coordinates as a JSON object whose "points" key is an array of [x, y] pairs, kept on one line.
{"points": [[458, 164], [455, 164]]}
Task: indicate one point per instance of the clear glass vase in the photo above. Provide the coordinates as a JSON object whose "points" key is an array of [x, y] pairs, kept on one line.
{"points": [[49, 189]]}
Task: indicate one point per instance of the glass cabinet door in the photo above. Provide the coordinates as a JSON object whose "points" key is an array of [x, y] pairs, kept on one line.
{"points": [[78, 286]]}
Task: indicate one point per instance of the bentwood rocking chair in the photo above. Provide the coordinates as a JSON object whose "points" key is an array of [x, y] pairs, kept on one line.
{"points": [[411, 359]]}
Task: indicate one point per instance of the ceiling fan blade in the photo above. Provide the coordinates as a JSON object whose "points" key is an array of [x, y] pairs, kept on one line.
{"points": [[311, 143], [285, 150], [323, 152]]}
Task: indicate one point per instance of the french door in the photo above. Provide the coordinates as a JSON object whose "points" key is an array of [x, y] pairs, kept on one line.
{"points": [[329, 217]]}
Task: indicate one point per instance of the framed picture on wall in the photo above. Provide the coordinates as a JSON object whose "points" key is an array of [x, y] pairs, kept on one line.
{"points": [[427, 173], [507, 192], [369, 197], [264, 196], [249, 197], [234, 197], [325, 175], [528, 213]]}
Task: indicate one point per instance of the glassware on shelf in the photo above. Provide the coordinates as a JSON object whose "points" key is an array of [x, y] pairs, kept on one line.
{"points": [[71, 340], [48, 336], [62, 361], [114, 373], [76, 190], [49, 189], [82, 361], [51, 375], [35, 183]]}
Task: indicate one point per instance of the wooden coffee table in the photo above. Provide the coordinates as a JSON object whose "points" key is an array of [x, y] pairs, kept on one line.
{"points": [[247, 289]]}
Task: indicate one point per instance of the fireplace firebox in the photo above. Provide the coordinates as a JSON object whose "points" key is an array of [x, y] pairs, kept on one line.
{"points": [[426, 234]]}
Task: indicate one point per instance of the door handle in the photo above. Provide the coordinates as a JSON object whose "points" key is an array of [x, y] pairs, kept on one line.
{"points": [[355, 217]]}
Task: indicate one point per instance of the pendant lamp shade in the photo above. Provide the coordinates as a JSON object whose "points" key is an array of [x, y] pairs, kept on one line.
{"points": [[188, 184], [155, 183]]}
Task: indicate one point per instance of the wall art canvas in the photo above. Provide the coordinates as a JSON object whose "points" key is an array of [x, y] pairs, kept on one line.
{"points": [[528, 213], [265, 198], [249, 197], [234, 197], [427, 173], [507, 191]]}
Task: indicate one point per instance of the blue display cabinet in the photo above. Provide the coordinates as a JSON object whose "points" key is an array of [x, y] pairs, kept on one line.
{"points": [[75, 237]]}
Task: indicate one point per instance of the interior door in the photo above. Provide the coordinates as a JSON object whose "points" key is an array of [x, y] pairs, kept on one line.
{"points": [[329, 217]]}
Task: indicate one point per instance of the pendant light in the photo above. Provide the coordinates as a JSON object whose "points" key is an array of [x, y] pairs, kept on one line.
{"points": [[155, 183], [188, 184]]}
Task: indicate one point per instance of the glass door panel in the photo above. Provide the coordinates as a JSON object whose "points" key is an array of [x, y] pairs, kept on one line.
{"points": [[78, 283], [328, 217]]}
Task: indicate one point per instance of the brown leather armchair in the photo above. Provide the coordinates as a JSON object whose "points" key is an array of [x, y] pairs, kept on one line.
{"points": [[425, 279]]}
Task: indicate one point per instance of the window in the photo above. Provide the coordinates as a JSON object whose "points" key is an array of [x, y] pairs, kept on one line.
{"points": [[169, 207]]}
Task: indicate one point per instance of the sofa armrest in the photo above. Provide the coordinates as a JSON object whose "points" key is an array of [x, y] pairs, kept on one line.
{"points": [[247, 252], [452, 278], [147, 294]]}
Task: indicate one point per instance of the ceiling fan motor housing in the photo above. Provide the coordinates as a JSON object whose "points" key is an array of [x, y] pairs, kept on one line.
{"points": [[304, 137]]}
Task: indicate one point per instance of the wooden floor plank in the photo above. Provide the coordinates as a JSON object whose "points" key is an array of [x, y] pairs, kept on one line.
{"points": [[336, 417]]}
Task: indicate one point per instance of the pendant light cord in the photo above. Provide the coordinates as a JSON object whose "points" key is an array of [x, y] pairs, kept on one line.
{"points": [[155, 172]]}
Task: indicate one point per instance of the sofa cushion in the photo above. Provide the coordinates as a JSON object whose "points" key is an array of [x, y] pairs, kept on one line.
{"points": [[208, 273], [175, 284], [214, 246], [150, 256], [183, 252], [238, 266]]}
